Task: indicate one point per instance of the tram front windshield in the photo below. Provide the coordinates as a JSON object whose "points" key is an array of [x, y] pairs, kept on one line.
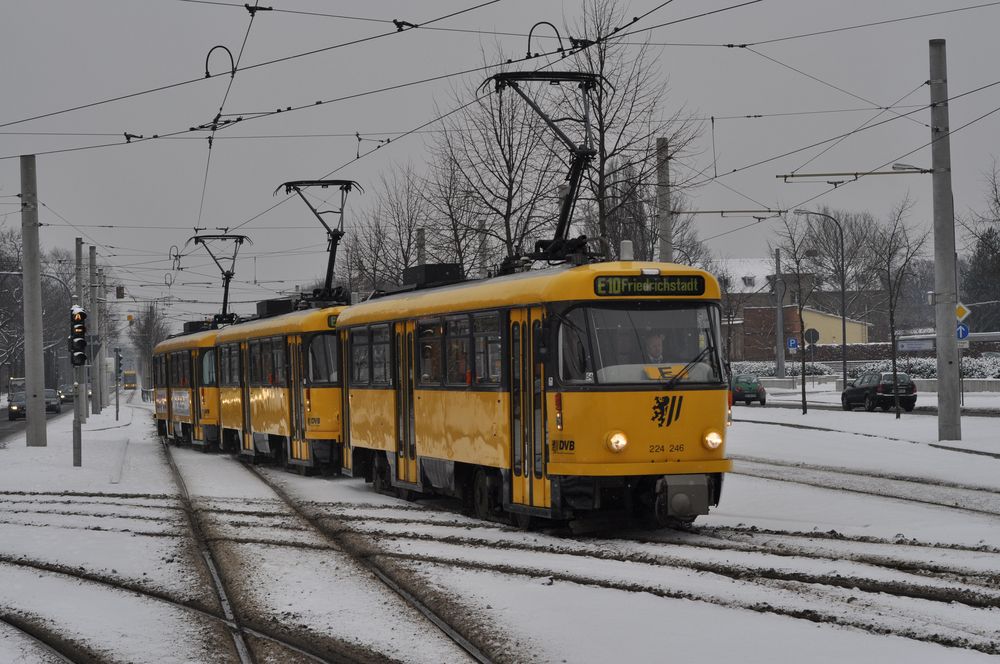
{"points": [[640, 343]]}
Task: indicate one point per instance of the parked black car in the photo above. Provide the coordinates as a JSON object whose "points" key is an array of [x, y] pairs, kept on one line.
{"points": [[874, 390]]}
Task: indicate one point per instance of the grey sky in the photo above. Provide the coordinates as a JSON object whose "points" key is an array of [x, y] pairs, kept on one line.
{"points": [[59, 54]]}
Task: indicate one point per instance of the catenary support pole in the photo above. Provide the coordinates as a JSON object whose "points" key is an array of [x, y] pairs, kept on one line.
{"points": [[118, 373], [665, 226], [78, 375], [102, 353], [34, 361], [95, 327], [779, 318], [945, 286]]}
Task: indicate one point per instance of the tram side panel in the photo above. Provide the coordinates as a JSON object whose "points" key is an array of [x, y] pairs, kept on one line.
{"points": [[269, 398]]}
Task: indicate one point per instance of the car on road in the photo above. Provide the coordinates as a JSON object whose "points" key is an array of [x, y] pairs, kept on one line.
{"points": [[748, 388], [16, 406], [875, 390], [53, 402], [66, 393]]}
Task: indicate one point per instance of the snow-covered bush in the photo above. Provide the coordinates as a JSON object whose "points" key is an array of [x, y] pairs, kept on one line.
{"points": [[926, 367], [767, 369]]}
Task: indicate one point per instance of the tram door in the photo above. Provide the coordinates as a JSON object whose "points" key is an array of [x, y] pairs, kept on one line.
{"points": [[297, 448], [247, 437], [197, 393], [403, 379], [530, 480]]}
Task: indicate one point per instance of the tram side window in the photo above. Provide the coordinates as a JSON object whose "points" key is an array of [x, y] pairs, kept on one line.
{"points": [[279, 373], [486, 331], [323, 359], [575, 365], [230, 365], [429, 337], [208, 378], [266, 363], [360, 365], [381, 369], [255, 369], [457, 343]]}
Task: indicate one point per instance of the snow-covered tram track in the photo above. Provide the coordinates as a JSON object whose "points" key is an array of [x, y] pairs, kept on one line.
{"points": [[925, 491], [345, 540], [862, 588], [238, 625], [49, 647], [81, 653], [876, 610]]}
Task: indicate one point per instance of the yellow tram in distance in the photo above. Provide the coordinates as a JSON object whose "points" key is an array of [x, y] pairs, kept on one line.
{"points": [[280, 390], [564, 393], [186, 390]]}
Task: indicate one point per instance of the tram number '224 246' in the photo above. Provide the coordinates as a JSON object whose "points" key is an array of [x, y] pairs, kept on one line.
{"points": [[675, 447]]}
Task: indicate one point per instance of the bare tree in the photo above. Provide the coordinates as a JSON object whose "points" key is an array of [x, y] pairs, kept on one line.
{"points": [[895, 248], [403, 210], [859, 277], [456, 228], [504, 167], [799, 273], [978, 222], [627, 118], [148, 328], [983, 271]]}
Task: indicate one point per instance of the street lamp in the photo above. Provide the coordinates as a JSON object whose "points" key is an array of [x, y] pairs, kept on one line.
{"points": [[909, 168], [843, 291]]}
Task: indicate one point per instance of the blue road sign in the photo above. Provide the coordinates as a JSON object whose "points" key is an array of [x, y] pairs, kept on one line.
{"points": [[962, 331], [794, 343]]}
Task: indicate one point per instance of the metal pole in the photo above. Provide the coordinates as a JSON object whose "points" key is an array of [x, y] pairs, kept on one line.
{"points": [[843, 309], [779, 317], [78, 407], [118, 373], [665, 230], [34, 360], [945, 287], [95, 319]]}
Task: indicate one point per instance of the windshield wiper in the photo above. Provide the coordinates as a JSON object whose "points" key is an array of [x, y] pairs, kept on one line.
{"points": [[683, 372]]}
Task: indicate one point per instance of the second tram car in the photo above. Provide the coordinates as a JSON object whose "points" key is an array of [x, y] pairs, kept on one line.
{"points": [[564, 393], [280, 389]]}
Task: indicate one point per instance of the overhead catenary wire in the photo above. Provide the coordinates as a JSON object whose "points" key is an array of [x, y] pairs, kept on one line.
{"points": [[862, 174], [258, 65]]}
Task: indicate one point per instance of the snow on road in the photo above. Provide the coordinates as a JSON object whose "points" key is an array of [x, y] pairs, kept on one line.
{"points": [[782, 569]]}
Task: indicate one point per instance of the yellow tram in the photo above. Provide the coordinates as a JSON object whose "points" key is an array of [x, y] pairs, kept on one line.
{"points": [[186, 390], [280, 391], [562, 393]]}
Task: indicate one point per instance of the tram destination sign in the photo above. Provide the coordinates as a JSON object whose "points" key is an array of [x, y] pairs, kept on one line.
{"points": [[649, 284]]}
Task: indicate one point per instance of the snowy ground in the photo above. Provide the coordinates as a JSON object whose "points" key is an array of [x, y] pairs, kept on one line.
{"points": [[840, 536], [827, 395]]}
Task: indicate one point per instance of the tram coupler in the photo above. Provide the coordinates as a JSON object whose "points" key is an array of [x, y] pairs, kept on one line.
{"points": [[680, 497]]}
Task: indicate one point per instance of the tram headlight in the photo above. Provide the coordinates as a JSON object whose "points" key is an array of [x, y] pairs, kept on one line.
{"points": [[617, 441], [712, 440]]}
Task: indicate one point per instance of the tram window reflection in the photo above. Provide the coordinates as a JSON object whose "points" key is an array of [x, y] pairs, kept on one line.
{"points": [[323, 359], [429, 339]]}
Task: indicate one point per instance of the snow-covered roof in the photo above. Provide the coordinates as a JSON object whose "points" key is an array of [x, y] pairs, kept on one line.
{"points": [[745, 275]]}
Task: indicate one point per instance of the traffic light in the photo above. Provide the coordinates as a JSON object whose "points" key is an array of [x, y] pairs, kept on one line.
{"points": [[77, 335], [118, 366]]}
